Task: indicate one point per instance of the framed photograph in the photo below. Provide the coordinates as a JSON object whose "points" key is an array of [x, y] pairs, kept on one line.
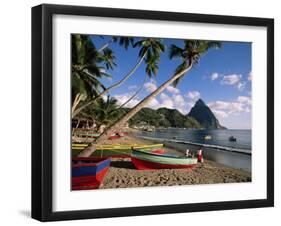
{"points": [[146, 112]]}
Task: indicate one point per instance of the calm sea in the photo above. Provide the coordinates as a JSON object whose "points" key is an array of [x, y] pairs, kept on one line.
{"points": [[219, 137]]}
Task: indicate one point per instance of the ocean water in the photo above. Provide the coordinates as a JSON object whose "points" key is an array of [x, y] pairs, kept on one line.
{"points": [[219, 137]]}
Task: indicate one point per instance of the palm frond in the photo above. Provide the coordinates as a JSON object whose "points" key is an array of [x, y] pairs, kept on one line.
{"points": [[126, 42], [108, 58], [175, 52]]}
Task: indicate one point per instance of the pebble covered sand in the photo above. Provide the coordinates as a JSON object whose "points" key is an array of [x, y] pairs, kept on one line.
{"points": [[122, 173]]}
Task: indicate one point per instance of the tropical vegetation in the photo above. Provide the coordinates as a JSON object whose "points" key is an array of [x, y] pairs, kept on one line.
{"points": [[90, 64]]}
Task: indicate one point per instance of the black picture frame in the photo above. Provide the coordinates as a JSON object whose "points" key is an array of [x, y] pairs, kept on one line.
{"points": [[42, 111]]}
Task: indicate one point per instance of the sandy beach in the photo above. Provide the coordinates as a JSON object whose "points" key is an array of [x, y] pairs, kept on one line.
{"points": [[122, 173]]}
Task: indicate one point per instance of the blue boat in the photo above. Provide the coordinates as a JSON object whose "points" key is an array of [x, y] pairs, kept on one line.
{"points": [[88, 172]]}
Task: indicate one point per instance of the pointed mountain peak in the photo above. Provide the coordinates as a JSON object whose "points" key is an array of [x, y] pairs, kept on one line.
{"points": [[204, 115], [200, 102]]}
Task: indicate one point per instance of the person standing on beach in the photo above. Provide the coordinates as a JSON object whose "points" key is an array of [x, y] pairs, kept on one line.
{"points": [[200, 156]]}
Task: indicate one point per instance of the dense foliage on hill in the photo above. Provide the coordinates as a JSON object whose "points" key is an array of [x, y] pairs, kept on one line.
{"points": [[199, 117], [177, 119]]}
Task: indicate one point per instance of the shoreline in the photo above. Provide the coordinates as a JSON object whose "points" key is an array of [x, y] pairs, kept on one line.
{"points": [[237, 150], [218, 154], [122, 173]]}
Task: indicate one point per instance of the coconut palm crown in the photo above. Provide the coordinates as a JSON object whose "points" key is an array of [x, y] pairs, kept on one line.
{"points": [[190, 54], [150, 49]]}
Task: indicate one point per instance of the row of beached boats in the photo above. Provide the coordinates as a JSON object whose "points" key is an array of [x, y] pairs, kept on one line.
{"points": [[88, 173], [114, 151], [89, 134]]}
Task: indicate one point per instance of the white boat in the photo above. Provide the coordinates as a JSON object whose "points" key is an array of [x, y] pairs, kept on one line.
{"points": [[207, 137]]}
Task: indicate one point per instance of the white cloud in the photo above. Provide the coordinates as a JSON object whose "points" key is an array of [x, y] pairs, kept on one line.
{"points": [[122, 98], [174, 102], [154, 104], [133, 87], [173, 90], [241, 86], [223, 109], [214, 76], [178, 99], [167, 104], [193, 95], [244, 100], [150, 86], [250, 75], [220, 114], [231, 79], [227, 107], [180, 103], [163, 96], [166, 101], [190, 104]]}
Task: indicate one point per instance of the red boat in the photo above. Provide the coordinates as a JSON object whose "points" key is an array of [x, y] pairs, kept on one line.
{"points": [[88, 172], [147, 161]]}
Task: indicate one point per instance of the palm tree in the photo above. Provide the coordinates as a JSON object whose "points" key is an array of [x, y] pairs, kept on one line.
{"points": [[123, 41], [135, 94], [108, 58], [86, 69], [189, 55], [150, 50], [104, 112]]}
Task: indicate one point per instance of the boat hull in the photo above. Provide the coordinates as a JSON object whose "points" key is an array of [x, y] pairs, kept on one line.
{"points": [[118, 147], [117, 151], [88, 173], [146, 161], [146, 165]]}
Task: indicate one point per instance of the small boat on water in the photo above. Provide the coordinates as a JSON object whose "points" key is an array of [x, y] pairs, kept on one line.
{"points": [[146, 161], [88, 172], [207, 137], [232, 139]]}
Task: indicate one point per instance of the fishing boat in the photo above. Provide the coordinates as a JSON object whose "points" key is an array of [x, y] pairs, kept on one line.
{"points": [[86, 134], [124, 151], [207, 137], [146, 161], [88, 172], [129, 147], [79, 146], [117, 151], [232, 139], [117, 147]]}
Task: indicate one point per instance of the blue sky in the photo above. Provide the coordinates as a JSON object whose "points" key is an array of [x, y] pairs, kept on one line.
{"points": [[222, 79]]}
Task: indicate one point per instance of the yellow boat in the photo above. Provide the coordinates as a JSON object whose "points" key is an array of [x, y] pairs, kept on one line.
{"points": [[118, 147], [116, 151]]}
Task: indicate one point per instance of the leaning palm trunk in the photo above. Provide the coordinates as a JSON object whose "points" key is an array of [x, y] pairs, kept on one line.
{"points": [[76, 101], [120, 123], [109, 88], [134, 95], [105, 45]]}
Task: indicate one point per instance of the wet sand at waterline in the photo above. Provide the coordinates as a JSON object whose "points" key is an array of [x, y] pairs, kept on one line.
{"points": [[122, 173]]}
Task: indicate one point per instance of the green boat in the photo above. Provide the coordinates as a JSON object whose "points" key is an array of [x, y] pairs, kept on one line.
{"points": [[147, 161]]}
